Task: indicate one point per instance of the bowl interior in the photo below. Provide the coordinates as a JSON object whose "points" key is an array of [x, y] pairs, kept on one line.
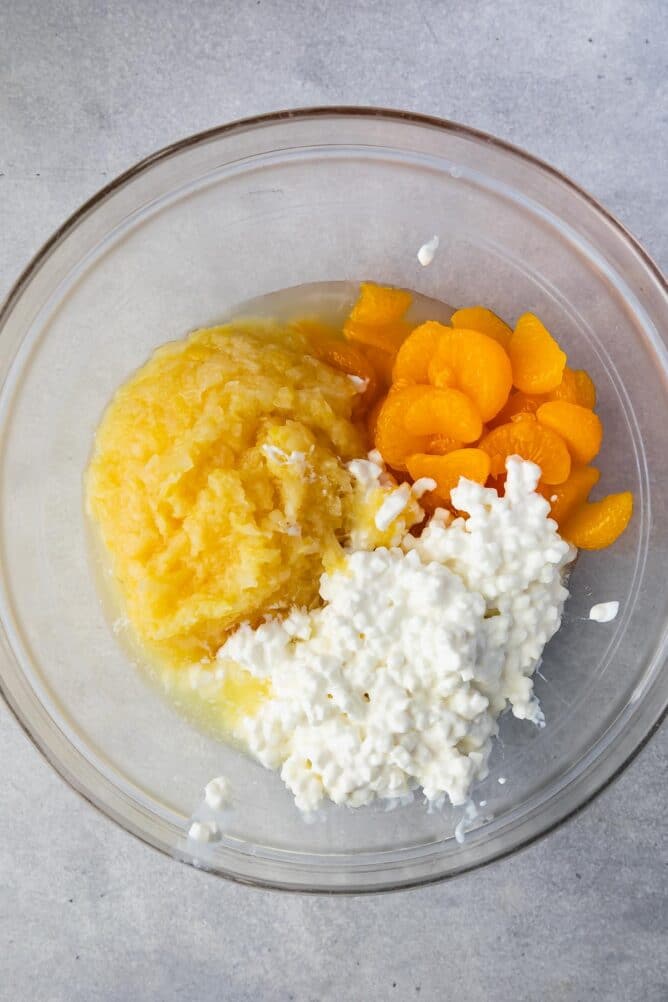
{"points": [[239, 214]]}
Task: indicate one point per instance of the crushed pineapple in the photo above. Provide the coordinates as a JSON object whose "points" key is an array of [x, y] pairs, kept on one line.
{"points": [[219, 486]]}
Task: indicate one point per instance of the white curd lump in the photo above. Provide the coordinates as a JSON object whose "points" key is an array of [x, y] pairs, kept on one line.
{"points": [[203, 831], [398, 679], [427, 252], [217, 793], [604, 612]]}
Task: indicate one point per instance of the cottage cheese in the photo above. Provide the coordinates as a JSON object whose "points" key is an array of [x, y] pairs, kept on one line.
{"points": [[203, 831], [604, 612], [427, 252], [398, 679], [385, 511], [217, 793]]}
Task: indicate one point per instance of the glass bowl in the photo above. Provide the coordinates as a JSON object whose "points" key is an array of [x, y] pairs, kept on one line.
{"points": [[175, 243]]}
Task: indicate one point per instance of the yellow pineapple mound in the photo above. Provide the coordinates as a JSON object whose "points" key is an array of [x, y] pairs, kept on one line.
{"points": [[218, 484]]}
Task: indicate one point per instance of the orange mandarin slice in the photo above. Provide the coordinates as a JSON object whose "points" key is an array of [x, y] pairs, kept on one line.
{"points": [[579, 427], [444, 412], [392, 438], [412, 359], [576, 387], [382, 361], [538, 361], [567, 497], [349, 359], [439, 445], [598, 524], [376, 317], [475, 364], [518, 403], [473, 464], [530, 440], [372, 419], [479, 318]]}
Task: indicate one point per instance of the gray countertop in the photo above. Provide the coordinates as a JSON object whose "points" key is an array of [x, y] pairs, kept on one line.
{"points": [[87, 912]]}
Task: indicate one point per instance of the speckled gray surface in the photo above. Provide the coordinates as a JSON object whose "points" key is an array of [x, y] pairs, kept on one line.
{"points": [[88, 913]]}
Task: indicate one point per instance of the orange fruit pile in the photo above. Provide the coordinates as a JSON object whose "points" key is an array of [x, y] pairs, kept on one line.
{"points": [[451, 401]]}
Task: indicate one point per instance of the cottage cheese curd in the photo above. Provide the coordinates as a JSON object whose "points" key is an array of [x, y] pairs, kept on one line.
{"points": [[604, 612], [217, 793], [398, 679], [203, 831], [427, 252]]}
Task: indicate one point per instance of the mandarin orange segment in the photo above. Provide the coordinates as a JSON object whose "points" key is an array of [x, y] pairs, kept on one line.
{"points": [[382, 361], [598, 524], [530, 440], [473, 464], [444, 412], [380, 304], [439, 445], [393, 440], [586, 389], [313, 327], [579, 427], [518, 403], [537, 360], [576, 387], [567, 388], [567, 497], [474, 363], [375, 319], [498, 484], [372, 419], [412, 359], [441, 375], [479, 318], [386, 338], [348, 358]]}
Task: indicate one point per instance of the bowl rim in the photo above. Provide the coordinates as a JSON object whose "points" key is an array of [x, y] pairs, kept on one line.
{"points": [[315, 111], [238, 126]]}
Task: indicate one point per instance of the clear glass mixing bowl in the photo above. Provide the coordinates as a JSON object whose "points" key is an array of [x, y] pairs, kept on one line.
{"points": [[238, 212]]}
